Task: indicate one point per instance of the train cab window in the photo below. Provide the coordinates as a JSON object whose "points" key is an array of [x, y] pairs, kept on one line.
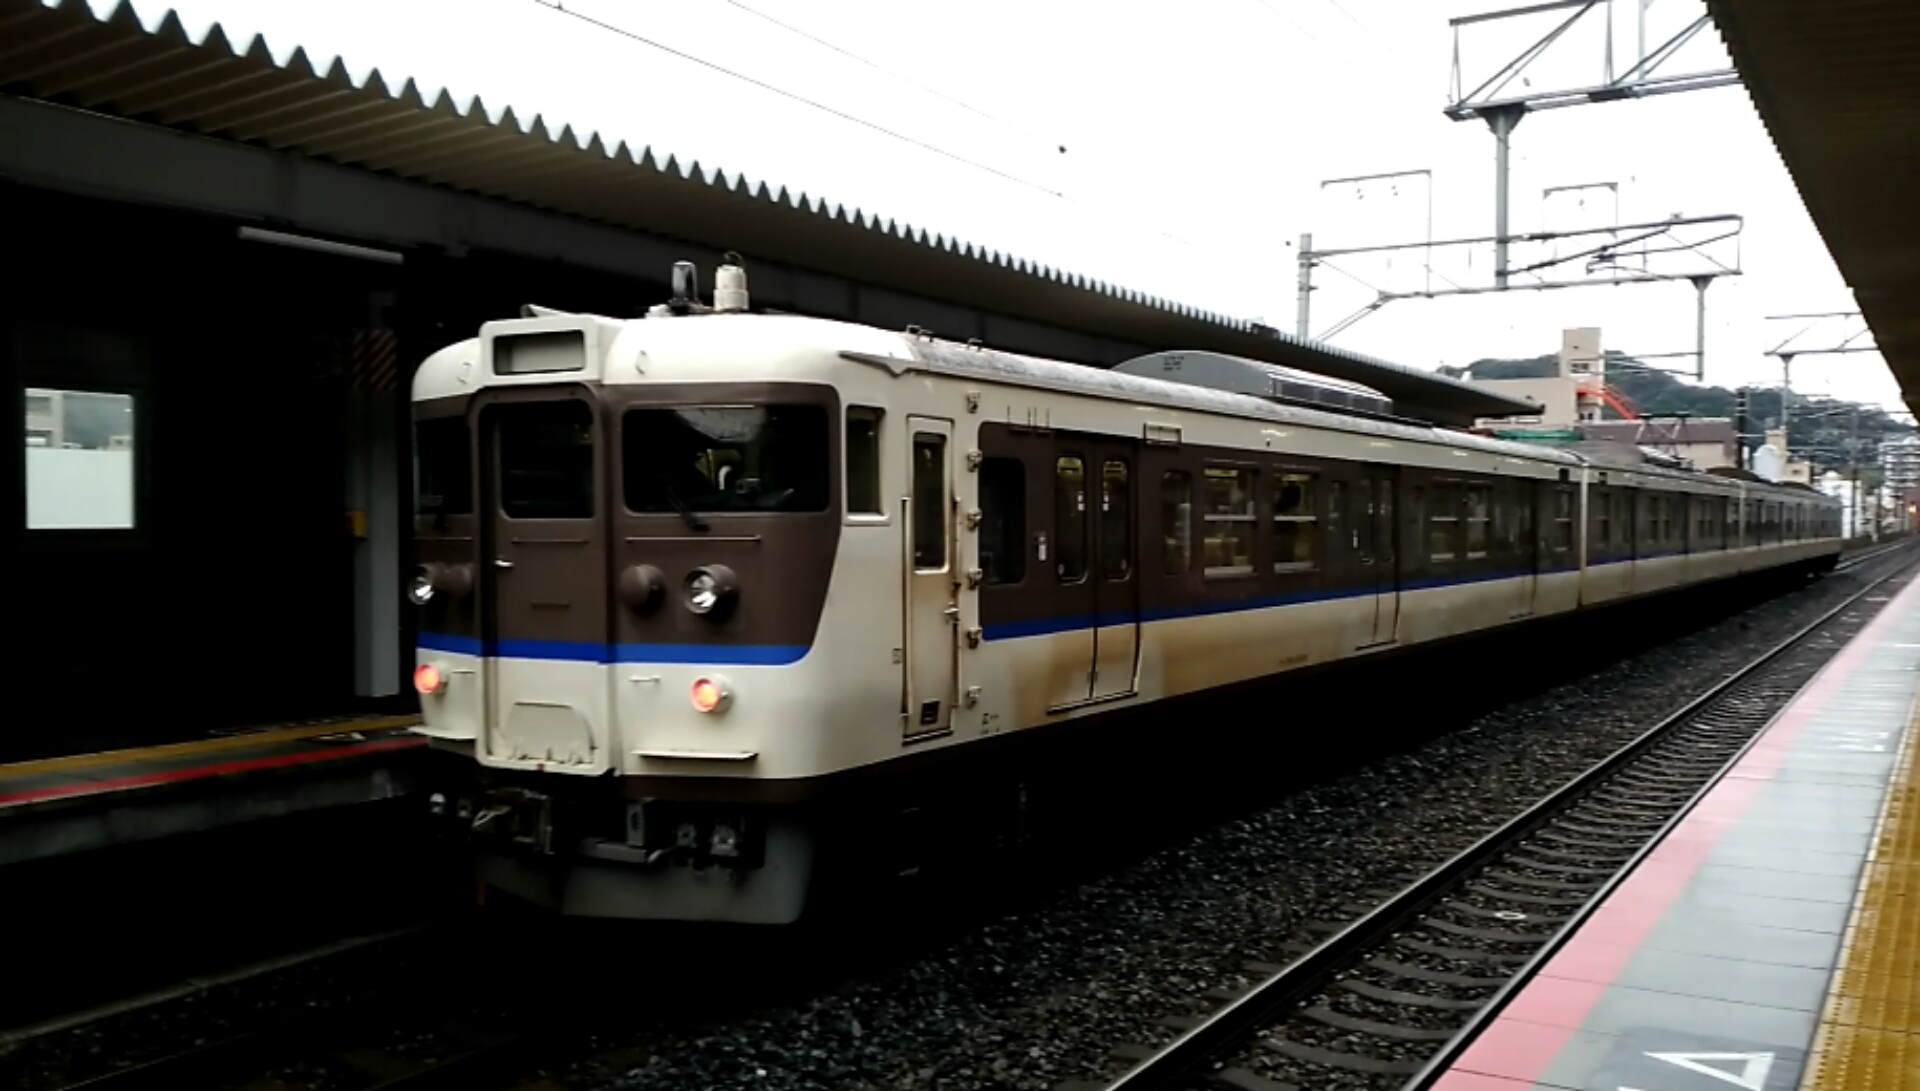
{"points": [[1116, 520], [863, 461], [929, 501], [1003, 520], [727, 458], [1070, 518], [1295, 522], [1176, 522], [545, 453], [1443, 523], [442, 467], [1562, 519], [1336, 513], [79, 459], [1478, 513], [1230, 522]]}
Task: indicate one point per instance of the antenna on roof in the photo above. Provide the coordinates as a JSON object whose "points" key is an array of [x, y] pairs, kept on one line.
{"points": [[686, 288]]}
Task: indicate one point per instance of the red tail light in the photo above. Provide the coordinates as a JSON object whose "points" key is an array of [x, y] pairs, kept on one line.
{"points": [[428, 679]]}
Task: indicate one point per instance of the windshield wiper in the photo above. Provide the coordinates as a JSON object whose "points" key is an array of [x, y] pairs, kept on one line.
{"points": [[679, 505]]}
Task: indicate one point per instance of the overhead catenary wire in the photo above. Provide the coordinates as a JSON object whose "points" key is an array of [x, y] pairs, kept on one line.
{"points": [[559, 6], [902, 77], [853, 119]]}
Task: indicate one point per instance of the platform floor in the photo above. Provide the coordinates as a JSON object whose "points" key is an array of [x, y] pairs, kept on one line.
{"points": [[58, 805], [1772, 940]]}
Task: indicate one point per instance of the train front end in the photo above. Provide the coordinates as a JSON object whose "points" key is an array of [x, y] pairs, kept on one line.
{"points": [[625, 533]]}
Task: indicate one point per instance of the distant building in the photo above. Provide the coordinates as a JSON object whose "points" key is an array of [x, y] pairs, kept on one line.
{"points": [[1900, 465], [1575, 393], [1705, 442]]}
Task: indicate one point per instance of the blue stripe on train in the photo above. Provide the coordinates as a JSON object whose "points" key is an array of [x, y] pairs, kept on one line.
{"points": [[735, 655]]}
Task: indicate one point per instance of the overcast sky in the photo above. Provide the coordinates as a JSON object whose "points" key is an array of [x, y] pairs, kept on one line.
{"points": [[1196, 137]]}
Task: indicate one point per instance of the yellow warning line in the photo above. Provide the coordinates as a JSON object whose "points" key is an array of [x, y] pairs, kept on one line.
{"points": [[77, 762], [1869, 1037]]}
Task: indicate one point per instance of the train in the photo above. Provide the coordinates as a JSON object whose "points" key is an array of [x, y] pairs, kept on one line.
{"points": [[691, 582]]}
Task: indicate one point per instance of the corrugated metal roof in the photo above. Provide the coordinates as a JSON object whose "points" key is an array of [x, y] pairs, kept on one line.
{"points": [[109, 62], [1838, 85]]}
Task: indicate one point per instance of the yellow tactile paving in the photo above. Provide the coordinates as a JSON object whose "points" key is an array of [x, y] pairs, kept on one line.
{"points": [[201, 746], [1869, 1037]]}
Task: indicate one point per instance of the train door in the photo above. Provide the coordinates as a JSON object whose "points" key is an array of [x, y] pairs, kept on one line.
{"points": [[1095, 583], [932, 591], [1375, 531], [544, 578], [1116, 639], [1526, 536]]}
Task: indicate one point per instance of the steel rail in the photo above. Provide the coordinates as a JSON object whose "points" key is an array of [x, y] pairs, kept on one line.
{"points": [[1186, 1058]]}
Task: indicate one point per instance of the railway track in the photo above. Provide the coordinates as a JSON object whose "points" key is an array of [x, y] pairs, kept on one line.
{"points": [[1363, 1008], [1385, 998]]}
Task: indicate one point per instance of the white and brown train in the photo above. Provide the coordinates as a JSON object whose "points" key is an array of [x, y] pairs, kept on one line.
{"points": [[688, 580]]}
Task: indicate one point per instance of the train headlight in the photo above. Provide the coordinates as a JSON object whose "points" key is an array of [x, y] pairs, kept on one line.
{"points": [[711, 591], [642, 587], [711, 694], [429, 679], [434, 579], [420, 592]]}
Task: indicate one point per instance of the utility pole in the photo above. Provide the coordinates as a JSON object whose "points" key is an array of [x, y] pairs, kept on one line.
{"points": [[1786, 385], [1305, 305], [1740, 423], [1700, 286], [1502, 120], [1853, 467]]}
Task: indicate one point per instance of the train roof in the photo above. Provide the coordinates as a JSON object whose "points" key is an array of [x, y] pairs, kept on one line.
{"points": [[917, 350]]}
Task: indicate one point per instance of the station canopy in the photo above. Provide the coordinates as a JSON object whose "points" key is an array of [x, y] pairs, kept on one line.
{"points": [[1837, 83], [104, 60]]}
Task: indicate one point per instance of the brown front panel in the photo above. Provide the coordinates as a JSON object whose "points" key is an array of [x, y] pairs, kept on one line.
{"points": [[744, 477]]}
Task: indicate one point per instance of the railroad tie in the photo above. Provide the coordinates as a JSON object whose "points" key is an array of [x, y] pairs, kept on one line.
{"points": [[1374, 1027], [1421, 973], [1413, 1000], [1328, 1058]]}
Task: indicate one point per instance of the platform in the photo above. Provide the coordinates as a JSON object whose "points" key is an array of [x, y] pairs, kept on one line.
{"points": [[70, 804], [1771, 941]]}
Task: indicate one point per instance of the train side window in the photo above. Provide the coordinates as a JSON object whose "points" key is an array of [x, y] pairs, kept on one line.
{"points": [[1603, 518], [1443, 523], [1116, 520], [1003, 520], [863, 461], [1336, 512], [1229, 521], [1383, 529], [80, 460], [1562, 519], [929, 501], [1070, 518], [442, 467], [1479, 503], [1294, 522], [546, 459], [1176, 522]]}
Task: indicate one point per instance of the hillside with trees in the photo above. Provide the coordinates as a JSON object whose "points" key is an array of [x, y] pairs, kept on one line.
{"points": [[1818, 429]]}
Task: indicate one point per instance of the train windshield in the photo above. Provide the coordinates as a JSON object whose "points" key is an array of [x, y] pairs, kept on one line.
{"points": [[442, 460], [721, 458]]}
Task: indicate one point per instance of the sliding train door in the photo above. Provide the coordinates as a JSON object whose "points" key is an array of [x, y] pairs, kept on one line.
{"points": [[1379, 557], [1116, 638], [1096, 589], [1526, 539], [932, 589]]}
